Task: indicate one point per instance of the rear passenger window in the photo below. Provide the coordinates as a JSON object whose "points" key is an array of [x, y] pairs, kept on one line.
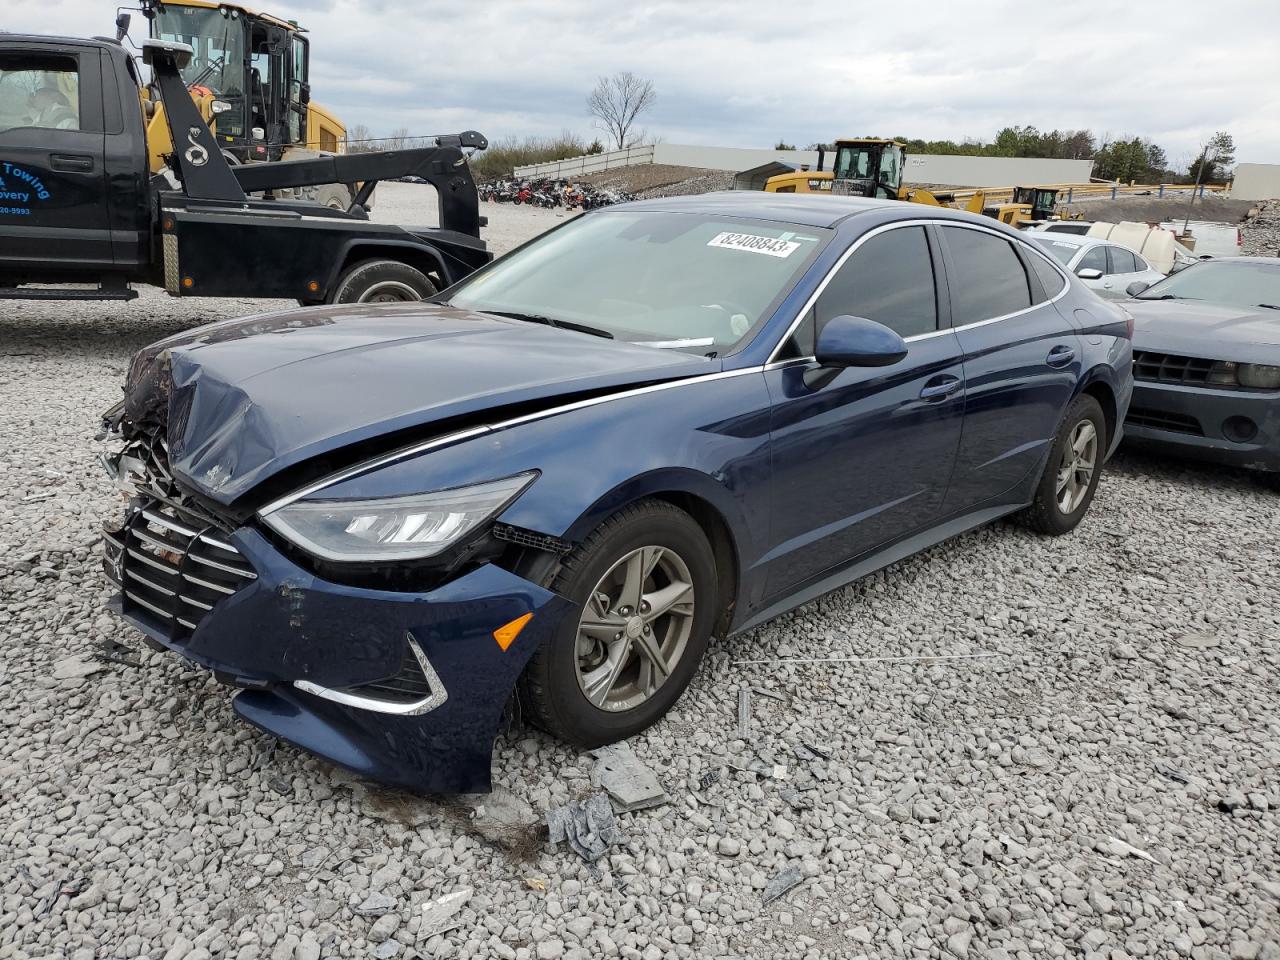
{"points": [[990, 279], [1050, 278], [1122, 261], [889, 280], [39, 90]]}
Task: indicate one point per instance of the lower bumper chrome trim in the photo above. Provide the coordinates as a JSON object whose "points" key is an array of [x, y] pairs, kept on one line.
{"points": [[351, 697]]}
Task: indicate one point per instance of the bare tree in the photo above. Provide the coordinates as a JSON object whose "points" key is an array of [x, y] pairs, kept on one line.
{"points": [[358, 139], [617, 101]]}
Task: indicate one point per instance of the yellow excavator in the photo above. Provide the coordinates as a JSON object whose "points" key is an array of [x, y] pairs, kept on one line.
{"points": [[869, 167], [249, 78]]}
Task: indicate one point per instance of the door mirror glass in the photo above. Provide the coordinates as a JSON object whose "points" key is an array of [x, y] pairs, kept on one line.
{"points": [[1136, 287], [846, 341], [122, 25], [1089, 273]]}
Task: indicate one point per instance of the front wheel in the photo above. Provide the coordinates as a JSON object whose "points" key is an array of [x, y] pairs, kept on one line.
{"points": [[1071, 476], [643, 587], [382, 281]]}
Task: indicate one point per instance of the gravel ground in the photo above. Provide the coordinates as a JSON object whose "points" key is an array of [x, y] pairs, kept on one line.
{"points": [[1101, 783]]}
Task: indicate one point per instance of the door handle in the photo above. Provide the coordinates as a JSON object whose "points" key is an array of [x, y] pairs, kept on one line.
{"points": [[70, 163], [1060, 356], [939, 388]]}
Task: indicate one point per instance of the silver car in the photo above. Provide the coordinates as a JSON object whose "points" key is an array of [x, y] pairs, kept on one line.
{"points": [[1104, 267]]}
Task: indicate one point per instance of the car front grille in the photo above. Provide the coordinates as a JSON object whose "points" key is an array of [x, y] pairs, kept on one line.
{"points": [[172, 567], [1164, 420], [1170, 368]]}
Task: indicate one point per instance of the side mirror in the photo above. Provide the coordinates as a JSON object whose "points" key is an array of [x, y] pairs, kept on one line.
{"points": [[304, 93], [1136, 287], [848, 341], [219, 106], [122, 25], [1089, 273]]}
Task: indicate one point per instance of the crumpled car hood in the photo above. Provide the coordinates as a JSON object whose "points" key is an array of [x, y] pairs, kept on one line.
{"points": [[1195, 328], [241, 400]]}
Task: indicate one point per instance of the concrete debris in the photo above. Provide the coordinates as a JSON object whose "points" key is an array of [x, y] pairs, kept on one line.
{"points": [[76, 668], [109, 651], [280, 785], [744, 711], [441, 914], [1201, 640], [781, 884], [1120, 848], [588, 826], [376, 904], [630, 784], [386, 949]]}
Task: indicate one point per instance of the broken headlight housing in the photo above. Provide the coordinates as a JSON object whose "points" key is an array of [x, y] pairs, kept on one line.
{"points": [[411, 527]]}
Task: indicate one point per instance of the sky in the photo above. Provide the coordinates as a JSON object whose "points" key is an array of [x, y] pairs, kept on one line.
{"points": [[750, 73]]}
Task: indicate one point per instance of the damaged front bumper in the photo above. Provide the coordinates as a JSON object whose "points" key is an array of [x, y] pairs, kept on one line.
{"points": [[404, 688]]}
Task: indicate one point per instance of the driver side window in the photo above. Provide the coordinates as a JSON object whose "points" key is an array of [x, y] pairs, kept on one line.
{"points": [[889, 280], [39, 90]]}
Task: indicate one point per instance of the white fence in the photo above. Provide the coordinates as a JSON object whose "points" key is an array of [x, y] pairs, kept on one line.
{"points": [[959, 171], [589, 163]]}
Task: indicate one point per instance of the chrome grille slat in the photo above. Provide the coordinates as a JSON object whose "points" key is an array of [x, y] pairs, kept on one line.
{"points": [[135, 575], [208, 584], [162, 521], [244, 572], [150, 606], [149, 561], [195, 603]]}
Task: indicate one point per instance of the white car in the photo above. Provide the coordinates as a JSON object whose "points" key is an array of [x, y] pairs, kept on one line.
{"points": [[1106, 268]]}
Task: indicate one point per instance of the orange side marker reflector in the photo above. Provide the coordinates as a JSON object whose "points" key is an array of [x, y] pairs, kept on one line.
{"points": [[506, 635]]}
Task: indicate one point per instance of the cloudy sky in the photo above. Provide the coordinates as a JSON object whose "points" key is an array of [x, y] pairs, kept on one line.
{"points": [[747, 73]]}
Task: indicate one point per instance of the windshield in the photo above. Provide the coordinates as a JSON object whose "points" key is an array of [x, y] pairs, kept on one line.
{"points": [[1060, 250], [677, 281], [218, 59], [853, 163], [1236, 283]]}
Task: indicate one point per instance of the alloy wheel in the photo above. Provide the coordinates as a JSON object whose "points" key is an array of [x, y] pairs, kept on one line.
{"points": [[634, 628], [389, 291], [1075, 470]]}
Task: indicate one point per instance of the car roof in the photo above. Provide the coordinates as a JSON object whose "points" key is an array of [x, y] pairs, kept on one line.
{"points": [[808, 209], [1071, 239], [51, 40]]}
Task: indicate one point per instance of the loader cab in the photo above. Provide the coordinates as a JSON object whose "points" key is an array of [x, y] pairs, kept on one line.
{"points": [[1042, 201], [868, 168], [249, 74]]}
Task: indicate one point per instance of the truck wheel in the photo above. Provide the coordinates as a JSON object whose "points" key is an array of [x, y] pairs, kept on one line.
{"points": [[335, 196], [382, 281]]}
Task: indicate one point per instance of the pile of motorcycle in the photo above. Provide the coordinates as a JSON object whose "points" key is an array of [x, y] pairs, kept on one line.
{"points": [[550, 193]]}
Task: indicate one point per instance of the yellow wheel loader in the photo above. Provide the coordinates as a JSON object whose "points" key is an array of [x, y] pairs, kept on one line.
{"points": [[249, 78]]}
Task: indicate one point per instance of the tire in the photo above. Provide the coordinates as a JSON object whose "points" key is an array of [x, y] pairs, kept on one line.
{"points": [[1058, 509], [381, 281], [554, 685], [335, 196]]}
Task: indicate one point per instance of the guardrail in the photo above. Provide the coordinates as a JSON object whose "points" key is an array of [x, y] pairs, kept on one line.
{"points": [[588, 163]]}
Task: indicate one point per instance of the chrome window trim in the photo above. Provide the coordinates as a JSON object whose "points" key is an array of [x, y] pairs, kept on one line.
{"points": [[773, 363]]}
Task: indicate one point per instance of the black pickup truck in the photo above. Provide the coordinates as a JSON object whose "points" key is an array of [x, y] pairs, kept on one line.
{"points": [[78, 205]]}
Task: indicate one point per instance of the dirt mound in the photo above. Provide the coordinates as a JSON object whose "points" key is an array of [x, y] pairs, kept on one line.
{"points": [[1157, 210], [647, 176]]}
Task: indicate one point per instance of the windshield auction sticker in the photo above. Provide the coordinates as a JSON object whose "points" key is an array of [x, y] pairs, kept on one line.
{"points": [[752, 243]]}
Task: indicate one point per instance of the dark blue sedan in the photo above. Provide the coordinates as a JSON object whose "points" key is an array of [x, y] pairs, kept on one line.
{"points": [[658, 423]]}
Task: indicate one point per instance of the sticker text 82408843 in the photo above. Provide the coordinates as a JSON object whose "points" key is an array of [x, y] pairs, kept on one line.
{"points": [[753, 243]]}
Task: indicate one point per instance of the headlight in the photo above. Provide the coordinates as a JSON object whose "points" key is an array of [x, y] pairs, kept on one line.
{"points": [[1260, 376], [393, 528]]}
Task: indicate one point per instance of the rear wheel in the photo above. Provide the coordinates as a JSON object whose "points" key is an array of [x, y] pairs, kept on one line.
{"points": [[644, 589], [1071, 476], [382, 281]]}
